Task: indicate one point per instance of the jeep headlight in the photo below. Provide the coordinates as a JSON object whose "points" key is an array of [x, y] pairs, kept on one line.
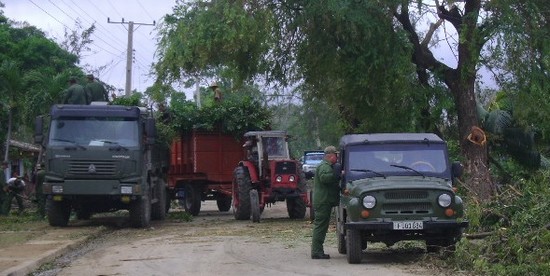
{"points": [[444, 200], [369, 202]]}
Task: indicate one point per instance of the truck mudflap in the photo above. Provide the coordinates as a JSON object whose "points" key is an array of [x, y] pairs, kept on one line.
{"points": [[389, 225]]}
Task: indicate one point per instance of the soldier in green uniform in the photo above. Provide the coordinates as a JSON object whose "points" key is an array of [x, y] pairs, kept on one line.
{"points": [[14, 189], [75, 94], [96, 90], [2, 185], [40, 198], [326, 192]]}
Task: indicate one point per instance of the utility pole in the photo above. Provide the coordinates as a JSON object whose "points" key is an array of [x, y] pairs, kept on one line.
{"points": [[129, 50]]}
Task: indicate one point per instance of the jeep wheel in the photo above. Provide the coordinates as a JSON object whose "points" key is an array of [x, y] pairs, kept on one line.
{"points": [[341, 242], [296, 207], [224, 203], [159, 208], [353, 246], [192, 199], [58, 212], [140, 211], [255, 205], [241, 194]]}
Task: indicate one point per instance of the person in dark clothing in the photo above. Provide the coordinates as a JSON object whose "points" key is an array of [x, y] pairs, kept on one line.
{"points": [[75, 94], [326, 193], [96, 90], [14, 189], [40, 198]]}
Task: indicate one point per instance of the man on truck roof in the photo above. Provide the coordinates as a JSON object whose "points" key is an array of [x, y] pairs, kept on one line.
{"points": [[75, 94]]}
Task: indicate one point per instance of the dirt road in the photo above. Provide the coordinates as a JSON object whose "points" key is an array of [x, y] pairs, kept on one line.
{"points": [[216, 244]]}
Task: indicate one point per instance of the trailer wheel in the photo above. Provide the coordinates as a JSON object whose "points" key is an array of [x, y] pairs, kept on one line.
{"points": [[353, 246], [255, 205], [224, 203], [140, 211], [296, 207], [192, 200], [159, 208], [241, 194], [58, 212]]}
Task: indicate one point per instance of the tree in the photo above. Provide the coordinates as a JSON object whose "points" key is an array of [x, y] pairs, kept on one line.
{"points": [[361, 57], [10, 85]]}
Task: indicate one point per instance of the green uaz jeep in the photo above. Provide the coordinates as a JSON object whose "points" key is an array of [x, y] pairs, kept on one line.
{"points": [[397, 186]]}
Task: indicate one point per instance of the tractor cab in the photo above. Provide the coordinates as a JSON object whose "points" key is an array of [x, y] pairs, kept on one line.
{"points": [[265, 146]]}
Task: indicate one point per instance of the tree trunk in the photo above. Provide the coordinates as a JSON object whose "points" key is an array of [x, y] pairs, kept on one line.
{"points": [[8, 136]]}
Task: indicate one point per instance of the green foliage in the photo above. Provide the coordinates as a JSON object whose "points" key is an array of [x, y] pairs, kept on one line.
{"points": [[518, 219], [135, 99]]}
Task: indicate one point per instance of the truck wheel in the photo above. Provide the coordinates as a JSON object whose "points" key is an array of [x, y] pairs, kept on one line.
{"points": [[140, 212], [296, 207], [224, 203], [58, 212], [241, 194], [353, 246], [255, 205], [159, 208], [192, 200]]}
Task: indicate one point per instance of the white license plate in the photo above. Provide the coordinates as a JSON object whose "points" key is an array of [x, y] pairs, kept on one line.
{"points": [[408, 225]]}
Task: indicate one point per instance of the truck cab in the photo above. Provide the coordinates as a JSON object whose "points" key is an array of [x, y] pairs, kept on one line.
{"points": [[101, 158]]}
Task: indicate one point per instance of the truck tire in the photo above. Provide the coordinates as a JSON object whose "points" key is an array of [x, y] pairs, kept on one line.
{"points": [[140, 211], [224, 203], [255, 205], [353, 246], [159, 208], [58, 212], [296, 207], [241, 194], [192, 199]]}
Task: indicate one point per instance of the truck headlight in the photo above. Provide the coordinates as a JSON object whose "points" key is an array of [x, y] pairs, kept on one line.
{"points": [[126, 190], [57, 189], [369, 202], [444, 200]]}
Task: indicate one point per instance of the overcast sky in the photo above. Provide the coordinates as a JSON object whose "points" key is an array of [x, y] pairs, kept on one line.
{"points": [[109, 40]]}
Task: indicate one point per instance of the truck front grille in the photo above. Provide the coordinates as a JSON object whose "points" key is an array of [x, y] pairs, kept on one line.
{"points": [[407, 208], [91, 167]]}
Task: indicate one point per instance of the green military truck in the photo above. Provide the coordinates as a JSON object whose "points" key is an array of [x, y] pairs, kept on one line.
{"points": [[102, 158], [397, 186]]}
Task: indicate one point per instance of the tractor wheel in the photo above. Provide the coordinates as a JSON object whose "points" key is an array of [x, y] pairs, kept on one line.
{"points": [[224, 203], [140, 211], [296, 207], [58, 212], [255, 205], [159, 208], [241, 194], [353, 246], [192, 200]]}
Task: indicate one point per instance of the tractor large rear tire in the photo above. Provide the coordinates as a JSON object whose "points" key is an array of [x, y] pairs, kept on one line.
{"points": [[192, 200], [296, 207], [58, 212], [224, 203], [140, 211], [241, 194], [159, 208]]}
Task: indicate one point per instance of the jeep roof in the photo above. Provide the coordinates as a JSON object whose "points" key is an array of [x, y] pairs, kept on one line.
{"points": [[381, 138]]}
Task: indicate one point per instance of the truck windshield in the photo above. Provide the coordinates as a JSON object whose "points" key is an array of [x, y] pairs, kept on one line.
{"points": [[401, 159], [96, 131]]}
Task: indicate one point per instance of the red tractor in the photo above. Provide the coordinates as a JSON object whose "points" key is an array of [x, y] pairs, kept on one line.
{"points": [[267, 176]]}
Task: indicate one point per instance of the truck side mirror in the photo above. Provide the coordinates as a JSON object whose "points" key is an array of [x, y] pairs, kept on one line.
{"points": [[38, 129], [457, 169], [150, 131]]}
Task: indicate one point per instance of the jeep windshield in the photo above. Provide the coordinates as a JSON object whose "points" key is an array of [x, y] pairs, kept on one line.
{"points": [[94, 132], [313, 158], [362, 161]]}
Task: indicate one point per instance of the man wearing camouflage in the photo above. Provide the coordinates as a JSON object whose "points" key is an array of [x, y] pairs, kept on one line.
{"points": [[75, 94], [96, 90], [326, 193], [40, 198]]}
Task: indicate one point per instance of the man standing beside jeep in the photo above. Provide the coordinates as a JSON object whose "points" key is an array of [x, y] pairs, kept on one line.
{"points": [[326, 192]]}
